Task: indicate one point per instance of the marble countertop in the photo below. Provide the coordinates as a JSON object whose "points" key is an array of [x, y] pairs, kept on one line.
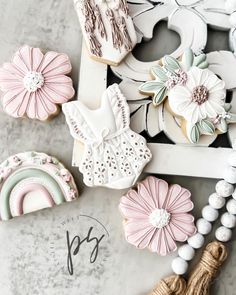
{"points": [[33, 248]]}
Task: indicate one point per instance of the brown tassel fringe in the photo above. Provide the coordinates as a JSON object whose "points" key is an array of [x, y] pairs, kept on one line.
{"points": [[175, 285], [212, 259], [201, 278]]}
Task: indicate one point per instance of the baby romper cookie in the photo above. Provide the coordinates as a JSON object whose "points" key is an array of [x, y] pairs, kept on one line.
{"points": [[192, 93], [114, 155], [107, 28], [32, 181], [34, 84], [156, 215]]}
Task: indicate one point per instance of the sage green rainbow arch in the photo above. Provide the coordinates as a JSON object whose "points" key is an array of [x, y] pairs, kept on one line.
{"points": [[43, 178]]}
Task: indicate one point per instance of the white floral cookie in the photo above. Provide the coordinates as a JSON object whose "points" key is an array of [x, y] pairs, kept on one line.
{"points": [[192, 93]]}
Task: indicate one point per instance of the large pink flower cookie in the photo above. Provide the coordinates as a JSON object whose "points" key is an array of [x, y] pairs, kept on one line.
{"points": [[33, 84], [156, 215]]}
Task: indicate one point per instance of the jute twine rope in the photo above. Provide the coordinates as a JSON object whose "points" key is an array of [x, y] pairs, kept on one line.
{"points": [[212, 259], [200, 280], [171, 285]]}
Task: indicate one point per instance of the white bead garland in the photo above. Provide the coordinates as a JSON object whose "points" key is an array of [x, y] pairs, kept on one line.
{"points": [[196, 241], [228, 220], [179, 266], [223, 234], [209, 213], [231, 206], [224, 189], [204, 227], [230, 175], [186, 252], [216, 201]]}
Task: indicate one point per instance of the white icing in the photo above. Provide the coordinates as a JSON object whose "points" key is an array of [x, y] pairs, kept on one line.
{"points": [[33, 81], [114, 155], [110, 54], [159, 218], [194, 110]]}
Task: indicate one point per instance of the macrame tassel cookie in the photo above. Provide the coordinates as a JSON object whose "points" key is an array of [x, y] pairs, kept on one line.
{"points": [[201, 278], [116, 36], [173, 285]]}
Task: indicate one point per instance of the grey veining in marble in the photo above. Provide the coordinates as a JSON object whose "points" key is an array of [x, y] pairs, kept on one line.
{"points": [[33, 248]]}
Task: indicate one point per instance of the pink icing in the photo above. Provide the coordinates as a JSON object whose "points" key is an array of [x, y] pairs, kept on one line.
{"points": [[20, 193], [156, 215], [34, 83]]}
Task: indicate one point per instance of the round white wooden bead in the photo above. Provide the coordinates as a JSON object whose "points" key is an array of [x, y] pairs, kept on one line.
{"points": [[203, 226], [209, 213], [223, 234], [232, 19], [179, 266], [186, 252], [234, 194], [216, 201], [230, 6], [231, 206], [196, 241], [228, 220], [232, 156], [230, 175], [224, 189]]}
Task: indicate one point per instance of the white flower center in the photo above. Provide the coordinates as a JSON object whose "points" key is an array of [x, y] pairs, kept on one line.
{"points": [[33, 81], [159, 218], [200, 94]]}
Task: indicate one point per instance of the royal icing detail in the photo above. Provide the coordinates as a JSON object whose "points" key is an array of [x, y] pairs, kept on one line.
{"points": [[107, 28], [192, 93], [33, 84], [114, 155], [37, 176], [156, 215]]}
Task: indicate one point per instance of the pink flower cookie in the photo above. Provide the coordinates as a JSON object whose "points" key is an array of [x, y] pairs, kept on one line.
{"points": [[156, 215], [33, 84]]}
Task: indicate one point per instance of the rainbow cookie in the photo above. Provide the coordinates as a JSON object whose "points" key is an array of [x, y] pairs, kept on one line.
{"points": [[33, 181], [34, 84]]}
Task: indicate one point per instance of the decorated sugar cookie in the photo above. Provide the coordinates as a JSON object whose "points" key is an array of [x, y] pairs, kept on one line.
{"points": [[32, 181], [156, 215], [34, 84], [114, 155], [107, 28], [192, 93]]}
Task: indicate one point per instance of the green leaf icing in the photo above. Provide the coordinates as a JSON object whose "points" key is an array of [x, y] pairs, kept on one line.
{"points": [[151, 87], [160, 96], [231, 118], [159, 73], [199, 59], [194, 134], [207, 127], [227, 107], [170, 63], [203, 65], [222, 126], [188, 58]]}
